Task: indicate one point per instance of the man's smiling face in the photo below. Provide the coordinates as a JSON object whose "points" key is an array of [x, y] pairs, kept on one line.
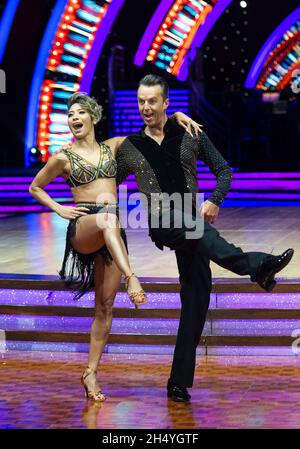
{"points": [[152, 105]]}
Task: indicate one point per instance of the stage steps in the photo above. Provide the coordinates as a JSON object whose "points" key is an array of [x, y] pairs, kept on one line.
{"points": [[39, 313]]}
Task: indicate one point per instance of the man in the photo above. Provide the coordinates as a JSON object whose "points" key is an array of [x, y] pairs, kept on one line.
{"points": [[163, 158]]}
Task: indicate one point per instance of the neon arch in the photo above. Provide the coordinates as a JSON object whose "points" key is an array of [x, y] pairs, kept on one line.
{"points": [[66, 63], [278, 58], [174, 27]]}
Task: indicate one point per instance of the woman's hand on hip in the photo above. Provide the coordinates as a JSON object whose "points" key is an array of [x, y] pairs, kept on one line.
{"points": [[70, 212]]}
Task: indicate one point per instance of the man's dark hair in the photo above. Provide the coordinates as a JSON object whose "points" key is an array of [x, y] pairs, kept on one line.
{"points": [[154, 80]]}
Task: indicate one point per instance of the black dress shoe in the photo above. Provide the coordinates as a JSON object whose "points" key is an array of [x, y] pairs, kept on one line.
{"points": [[177, 393], [270, 266]]}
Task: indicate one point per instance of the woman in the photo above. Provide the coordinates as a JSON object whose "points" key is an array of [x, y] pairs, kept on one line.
{"points": [[96, 250]]}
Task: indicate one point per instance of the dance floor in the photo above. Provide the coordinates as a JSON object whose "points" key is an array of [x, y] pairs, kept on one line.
{"points": [[34, 243], [41, 388]]}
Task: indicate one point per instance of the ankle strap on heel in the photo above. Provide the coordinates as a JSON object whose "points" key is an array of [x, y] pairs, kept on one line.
{"points": [[88, 371]]}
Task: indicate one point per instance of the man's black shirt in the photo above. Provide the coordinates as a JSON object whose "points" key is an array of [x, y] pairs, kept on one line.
{"points": [[172, 166]]}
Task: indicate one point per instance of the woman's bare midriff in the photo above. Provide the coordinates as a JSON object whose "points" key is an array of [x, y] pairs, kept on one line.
{"points": [[101, 191]]}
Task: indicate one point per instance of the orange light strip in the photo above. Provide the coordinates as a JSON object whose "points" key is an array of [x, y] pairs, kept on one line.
{"points": [[176, 33]]}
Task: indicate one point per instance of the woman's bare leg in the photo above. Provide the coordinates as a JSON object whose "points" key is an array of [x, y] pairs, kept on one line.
{"points": [[110, 226], [107, 281], [95, 230]]}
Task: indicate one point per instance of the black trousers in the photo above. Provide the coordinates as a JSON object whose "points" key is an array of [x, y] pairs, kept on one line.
{"points": [[193, 259]]}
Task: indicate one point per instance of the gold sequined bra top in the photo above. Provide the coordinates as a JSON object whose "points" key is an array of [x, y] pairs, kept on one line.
{"points": [[84, 172]]}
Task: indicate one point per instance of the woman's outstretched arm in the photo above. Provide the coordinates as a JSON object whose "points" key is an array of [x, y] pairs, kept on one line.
{"points": [[192, 127]]}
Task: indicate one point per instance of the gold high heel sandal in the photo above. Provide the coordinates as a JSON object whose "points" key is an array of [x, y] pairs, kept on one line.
{"points": [[137, 298], [89, 394]]}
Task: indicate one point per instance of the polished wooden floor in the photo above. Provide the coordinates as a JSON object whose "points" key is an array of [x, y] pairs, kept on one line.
{"points": [[42, 390], [34, 243]]}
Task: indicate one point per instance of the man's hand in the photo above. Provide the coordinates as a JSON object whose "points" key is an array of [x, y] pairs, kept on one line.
{"points": [[209, 211], [192, 127], [66, 146]]}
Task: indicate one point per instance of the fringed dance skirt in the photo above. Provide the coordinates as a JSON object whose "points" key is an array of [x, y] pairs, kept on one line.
{"points": [[77, 269]]}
